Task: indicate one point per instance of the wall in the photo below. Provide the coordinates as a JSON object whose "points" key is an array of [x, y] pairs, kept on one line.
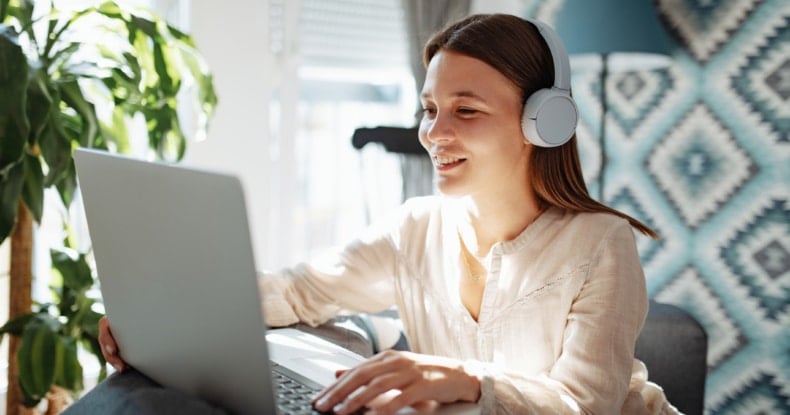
{"points": [[701, 152], [235, 42]]}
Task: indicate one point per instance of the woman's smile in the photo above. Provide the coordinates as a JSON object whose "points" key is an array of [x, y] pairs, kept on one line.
{"points": [[446, 163]]}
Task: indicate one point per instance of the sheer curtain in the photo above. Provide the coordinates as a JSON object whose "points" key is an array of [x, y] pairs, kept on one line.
{"points": [[345, 64], [342, 65], [423, 18]]}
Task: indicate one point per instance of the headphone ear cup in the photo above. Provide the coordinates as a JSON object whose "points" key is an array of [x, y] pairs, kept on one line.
{"points": [[549, 118]]}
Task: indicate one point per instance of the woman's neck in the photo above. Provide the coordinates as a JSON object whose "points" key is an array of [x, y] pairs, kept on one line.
{"points": [[500, 219]]}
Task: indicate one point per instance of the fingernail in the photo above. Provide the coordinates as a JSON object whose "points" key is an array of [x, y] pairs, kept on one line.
{"points": [[109, 349], [322, 404], [339, 408]]}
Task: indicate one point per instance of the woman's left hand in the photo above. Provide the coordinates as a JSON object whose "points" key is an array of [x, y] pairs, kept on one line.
{"points": [[417, 377]]}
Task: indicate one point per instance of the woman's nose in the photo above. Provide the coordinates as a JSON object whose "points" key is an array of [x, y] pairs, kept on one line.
{"points": [[437, 129]]}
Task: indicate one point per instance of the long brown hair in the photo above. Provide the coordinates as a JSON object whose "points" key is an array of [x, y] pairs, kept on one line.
{"points": [[515, 48]]}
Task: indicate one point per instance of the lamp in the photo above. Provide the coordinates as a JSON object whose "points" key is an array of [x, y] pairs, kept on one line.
{"points": [[625, 35]]}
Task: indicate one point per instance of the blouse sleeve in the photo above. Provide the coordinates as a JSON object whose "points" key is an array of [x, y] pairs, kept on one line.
{"points": [[357, 277], [593, 371]]}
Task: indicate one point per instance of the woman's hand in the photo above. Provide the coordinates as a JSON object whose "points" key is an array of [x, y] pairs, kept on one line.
{"points": [[417, 378], [108, 346]]}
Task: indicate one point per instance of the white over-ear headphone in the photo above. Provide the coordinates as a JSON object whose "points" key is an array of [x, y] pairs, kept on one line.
{"points": [[550, 114]]}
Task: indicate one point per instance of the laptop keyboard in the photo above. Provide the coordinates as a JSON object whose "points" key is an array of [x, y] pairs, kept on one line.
{"points": [[294, 393]]}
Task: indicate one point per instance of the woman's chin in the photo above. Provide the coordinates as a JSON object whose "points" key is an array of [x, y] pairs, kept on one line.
{"points": [[449, 189]]}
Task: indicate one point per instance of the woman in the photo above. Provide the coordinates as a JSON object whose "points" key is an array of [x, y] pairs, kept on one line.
{"points": [[516, 289]]}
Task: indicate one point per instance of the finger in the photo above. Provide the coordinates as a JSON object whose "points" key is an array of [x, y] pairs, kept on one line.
{"points": [[370, 395], [367, 386], [325, 400], [108, 346], [106, 341], [350, 381], [329, 389]]}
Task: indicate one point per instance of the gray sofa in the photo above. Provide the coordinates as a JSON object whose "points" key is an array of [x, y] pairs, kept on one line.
{"points": [[672, 344]]}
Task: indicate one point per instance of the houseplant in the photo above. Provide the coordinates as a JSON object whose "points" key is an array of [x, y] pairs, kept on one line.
{"points": [[77, 78]]}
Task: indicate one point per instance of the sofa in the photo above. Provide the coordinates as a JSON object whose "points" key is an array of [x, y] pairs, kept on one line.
{"points": [[673, 346]]}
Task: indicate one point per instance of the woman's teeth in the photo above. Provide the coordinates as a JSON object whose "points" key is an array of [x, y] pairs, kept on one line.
{"points": [[445, 160]]}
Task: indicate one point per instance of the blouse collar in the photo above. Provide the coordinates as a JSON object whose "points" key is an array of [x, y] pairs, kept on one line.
{"points": [[460, 224]]}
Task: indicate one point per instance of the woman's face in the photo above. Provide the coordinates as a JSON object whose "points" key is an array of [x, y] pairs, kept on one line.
{"points": [[471, 127]]}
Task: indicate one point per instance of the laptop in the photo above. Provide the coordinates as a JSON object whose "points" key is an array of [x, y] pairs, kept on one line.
{"points": [[178, 279]]}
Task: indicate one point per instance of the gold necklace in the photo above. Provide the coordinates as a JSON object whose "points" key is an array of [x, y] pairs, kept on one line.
{"points": [[465, 254]]}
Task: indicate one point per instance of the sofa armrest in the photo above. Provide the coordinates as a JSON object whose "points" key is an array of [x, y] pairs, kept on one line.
{"points": [[673, 345]]}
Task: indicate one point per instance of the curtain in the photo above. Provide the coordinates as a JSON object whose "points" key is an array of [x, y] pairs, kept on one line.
{"points": [[423, 18]]}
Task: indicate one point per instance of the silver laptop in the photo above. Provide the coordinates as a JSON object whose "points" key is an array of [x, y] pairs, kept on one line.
{"points": [[179, 284]]}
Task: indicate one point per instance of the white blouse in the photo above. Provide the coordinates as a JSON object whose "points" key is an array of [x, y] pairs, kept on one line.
{"points": [[563, 305]]}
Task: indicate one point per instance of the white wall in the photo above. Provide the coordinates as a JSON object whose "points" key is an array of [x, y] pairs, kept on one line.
{"points": [[497, 6], [234, 39]]}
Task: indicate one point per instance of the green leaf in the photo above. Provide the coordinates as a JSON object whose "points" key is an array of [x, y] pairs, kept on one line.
{"points": [[84, 70], [55, 141], [11, 183], [33, 190], [39, 102], [159, 122], [122, 87], [111, 10], [17, 325], [147, 26], [36, 357], [62, 56], [68, 370], [66, 300], [89, 336], [170, 83], [67, 185], [204, 81], [14, 125], [92, 344], [74, 268], [116, 131], [72, 95], [22, 10], [3, 9], [89, 324]]}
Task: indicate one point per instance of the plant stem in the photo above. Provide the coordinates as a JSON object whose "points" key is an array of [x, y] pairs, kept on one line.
{"points": [[20, 284]]}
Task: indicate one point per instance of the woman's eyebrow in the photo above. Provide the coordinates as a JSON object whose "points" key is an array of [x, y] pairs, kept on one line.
{"points": [[458, 94]]}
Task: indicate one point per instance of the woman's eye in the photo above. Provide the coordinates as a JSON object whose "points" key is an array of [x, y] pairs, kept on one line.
{"points": [[466, 111], [428, 112]]}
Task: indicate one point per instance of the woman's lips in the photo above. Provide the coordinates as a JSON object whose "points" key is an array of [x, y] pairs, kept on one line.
{"points": [[444, 163]]}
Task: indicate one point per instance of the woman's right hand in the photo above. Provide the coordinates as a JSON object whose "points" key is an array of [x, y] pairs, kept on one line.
{"points": [[108, 346]]}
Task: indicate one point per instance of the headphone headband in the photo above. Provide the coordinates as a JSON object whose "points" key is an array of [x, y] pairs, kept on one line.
{"points": [[550, 114], [559, 55]]}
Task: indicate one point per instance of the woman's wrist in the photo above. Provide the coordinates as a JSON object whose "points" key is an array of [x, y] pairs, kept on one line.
{"points": [[471, 383]]}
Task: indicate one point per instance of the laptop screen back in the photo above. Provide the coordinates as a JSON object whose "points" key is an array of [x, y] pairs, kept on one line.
{"points": [[177, 275]]}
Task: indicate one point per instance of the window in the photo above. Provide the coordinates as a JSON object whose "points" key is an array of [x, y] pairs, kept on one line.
{"points": [[352, 71]]}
